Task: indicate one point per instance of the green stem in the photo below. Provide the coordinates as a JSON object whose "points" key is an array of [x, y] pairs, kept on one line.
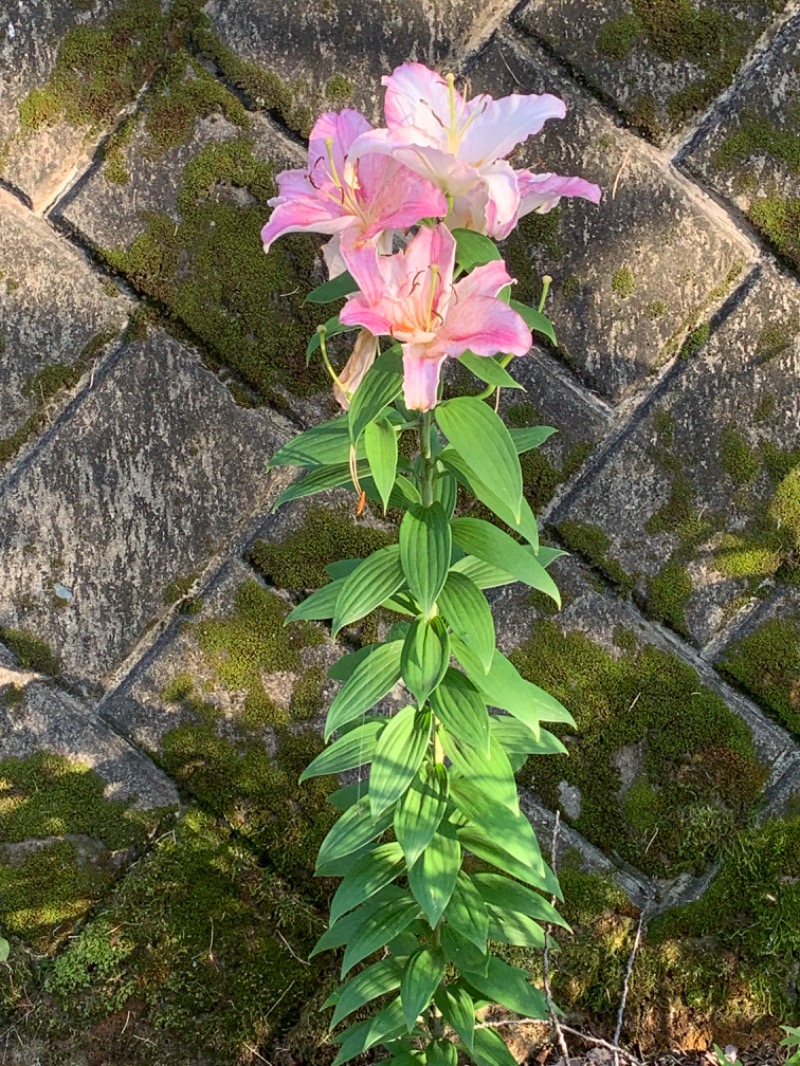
{"points": [[428, 476]]}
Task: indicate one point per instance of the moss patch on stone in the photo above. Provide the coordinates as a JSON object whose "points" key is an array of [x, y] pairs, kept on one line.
{"points": [[779, 219], [199, 950], [210, 271], [695, 777], [30, 651], [668, 594], [766, 663], [593, 544], [623, 283]]}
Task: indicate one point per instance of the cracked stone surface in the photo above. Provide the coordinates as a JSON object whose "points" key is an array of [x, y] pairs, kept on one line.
{"points": [[632, 276], [134, 491]]}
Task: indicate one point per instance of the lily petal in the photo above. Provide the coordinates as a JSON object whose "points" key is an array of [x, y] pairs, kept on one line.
{"points": [[503, 199], [503, 124], [418, 97], [485, 325], [363, 356], [420, 379], [541, 192], [486, 280], [305, 213]]}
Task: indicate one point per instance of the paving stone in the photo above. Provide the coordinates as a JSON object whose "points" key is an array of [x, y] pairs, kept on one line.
{"points": [[66, 70], [660, 63], [695, 507], [658, 733], [156, 470], [632, 275], [177, 207], [750, 154], [58, 318], [322, 57]]}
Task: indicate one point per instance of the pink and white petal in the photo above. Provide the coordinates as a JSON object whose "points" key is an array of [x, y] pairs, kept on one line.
{"points": [[502, 203], [292, 184], [420, 378], [403, 200], [359, 312], [432, 246], [419, 97], [468, 211], [486, 280], [485, 325], [305, 215], [341, 129], [332, 254], [363, 356], [503, 124], [366, 266], [436, 165], [541, 192]]}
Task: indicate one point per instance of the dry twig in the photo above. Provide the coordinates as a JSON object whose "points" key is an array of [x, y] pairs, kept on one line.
{"points": [[629, 970], [551, 1007]]}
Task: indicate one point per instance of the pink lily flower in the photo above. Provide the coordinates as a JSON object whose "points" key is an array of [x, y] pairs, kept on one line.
{"points": [[411, 297], [461, 145], [355, 202], [540, 193]]}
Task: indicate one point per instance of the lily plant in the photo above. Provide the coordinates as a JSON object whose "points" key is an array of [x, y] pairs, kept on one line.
{"points": [[439, 866]]}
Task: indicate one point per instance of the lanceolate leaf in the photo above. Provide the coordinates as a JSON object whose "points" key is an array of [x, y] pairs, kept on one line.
{"points": [[498, 548], [509, 927], [432, 878], [446, 491], [441, 1052], [466, 611], [458, 1010], [474, 249], [378, 979], [467, 913], [343, 930], [530, 437], [492, 775], [380, 385], [426, 653], [398, 756], [420, 811], [534, 319], [356, 827], [457, 704], [372, 678], [487, 847], [489, 370], [512, 896], [510, 987], [482, 574], [490, 1050], [372, 872], [481, 438], [462, 952], [524, 523], [386, 1025], [426, 545], [511, 827], [517, 739], [319, 479], [342, 285], [421, 977], [377, 928], [377, 578], [355, 748], [321, 445], [380, 445], [319, 605]]}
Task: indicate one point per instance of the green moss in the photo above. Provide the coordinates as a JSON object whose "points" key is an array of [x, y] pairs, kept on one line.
{"points": [[756, 135], [664, 425], [766, 663], [210, 270], [30, 651], [779, 219], [327, 535], [178, 588], [200, 946], [12, 695], [623, 283], [777, 338], [572, 287], [668, 594], [698, 776], [655, 309], [784, 509], [739, 461], [536, 237], [617, 37], [766, 408], [339, 89], [678, 510], [592, 542], [695, 341]]}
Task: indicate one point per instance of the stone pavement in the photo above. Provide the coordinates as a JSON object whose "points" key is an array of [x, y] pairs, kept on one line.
{"points": [[155, 850]]}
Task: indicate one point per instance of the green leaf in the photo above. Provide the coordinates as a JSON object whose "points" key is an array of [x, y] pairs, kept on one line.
{"points": [[356, 827], [511, 827], [344, 667], [420, 811], [426, 545], [482, 574], [397, 757], [486, 847], [371, 873], [343, 930], [376, 980], [426, 653], [5, 949], [509, 987], [432, 878], [511, 896], [468, 614], [491, 1050], [321, 445], [379, 386], [458, 705], [491, 774], [518, 739], [378, 577], [319, 605], [547, 555], [458, 1010], [354, 749], [347, 796], [441, 1053], [481, 438], [372, 678], [380, 445], [332, 327], [466, 956], [421, 977], [386, 1025], [489, 370], [527, 437], [466, 912], [473, 249], [534, 319], [445, 490], [377, 929], [494, 546], [525, 524], [508, 927], [320, 479], [342, 285]]}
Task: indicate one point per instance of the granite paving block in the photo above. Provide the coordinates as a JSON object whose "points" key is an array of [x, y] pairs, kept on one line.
{"points": [[177, 207], [659, 742], [154, 472], [661, 62], [696, 509], [57, 318], [77, 804], [751, 154], [66, 71], [632, 275], [301, 59]]}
